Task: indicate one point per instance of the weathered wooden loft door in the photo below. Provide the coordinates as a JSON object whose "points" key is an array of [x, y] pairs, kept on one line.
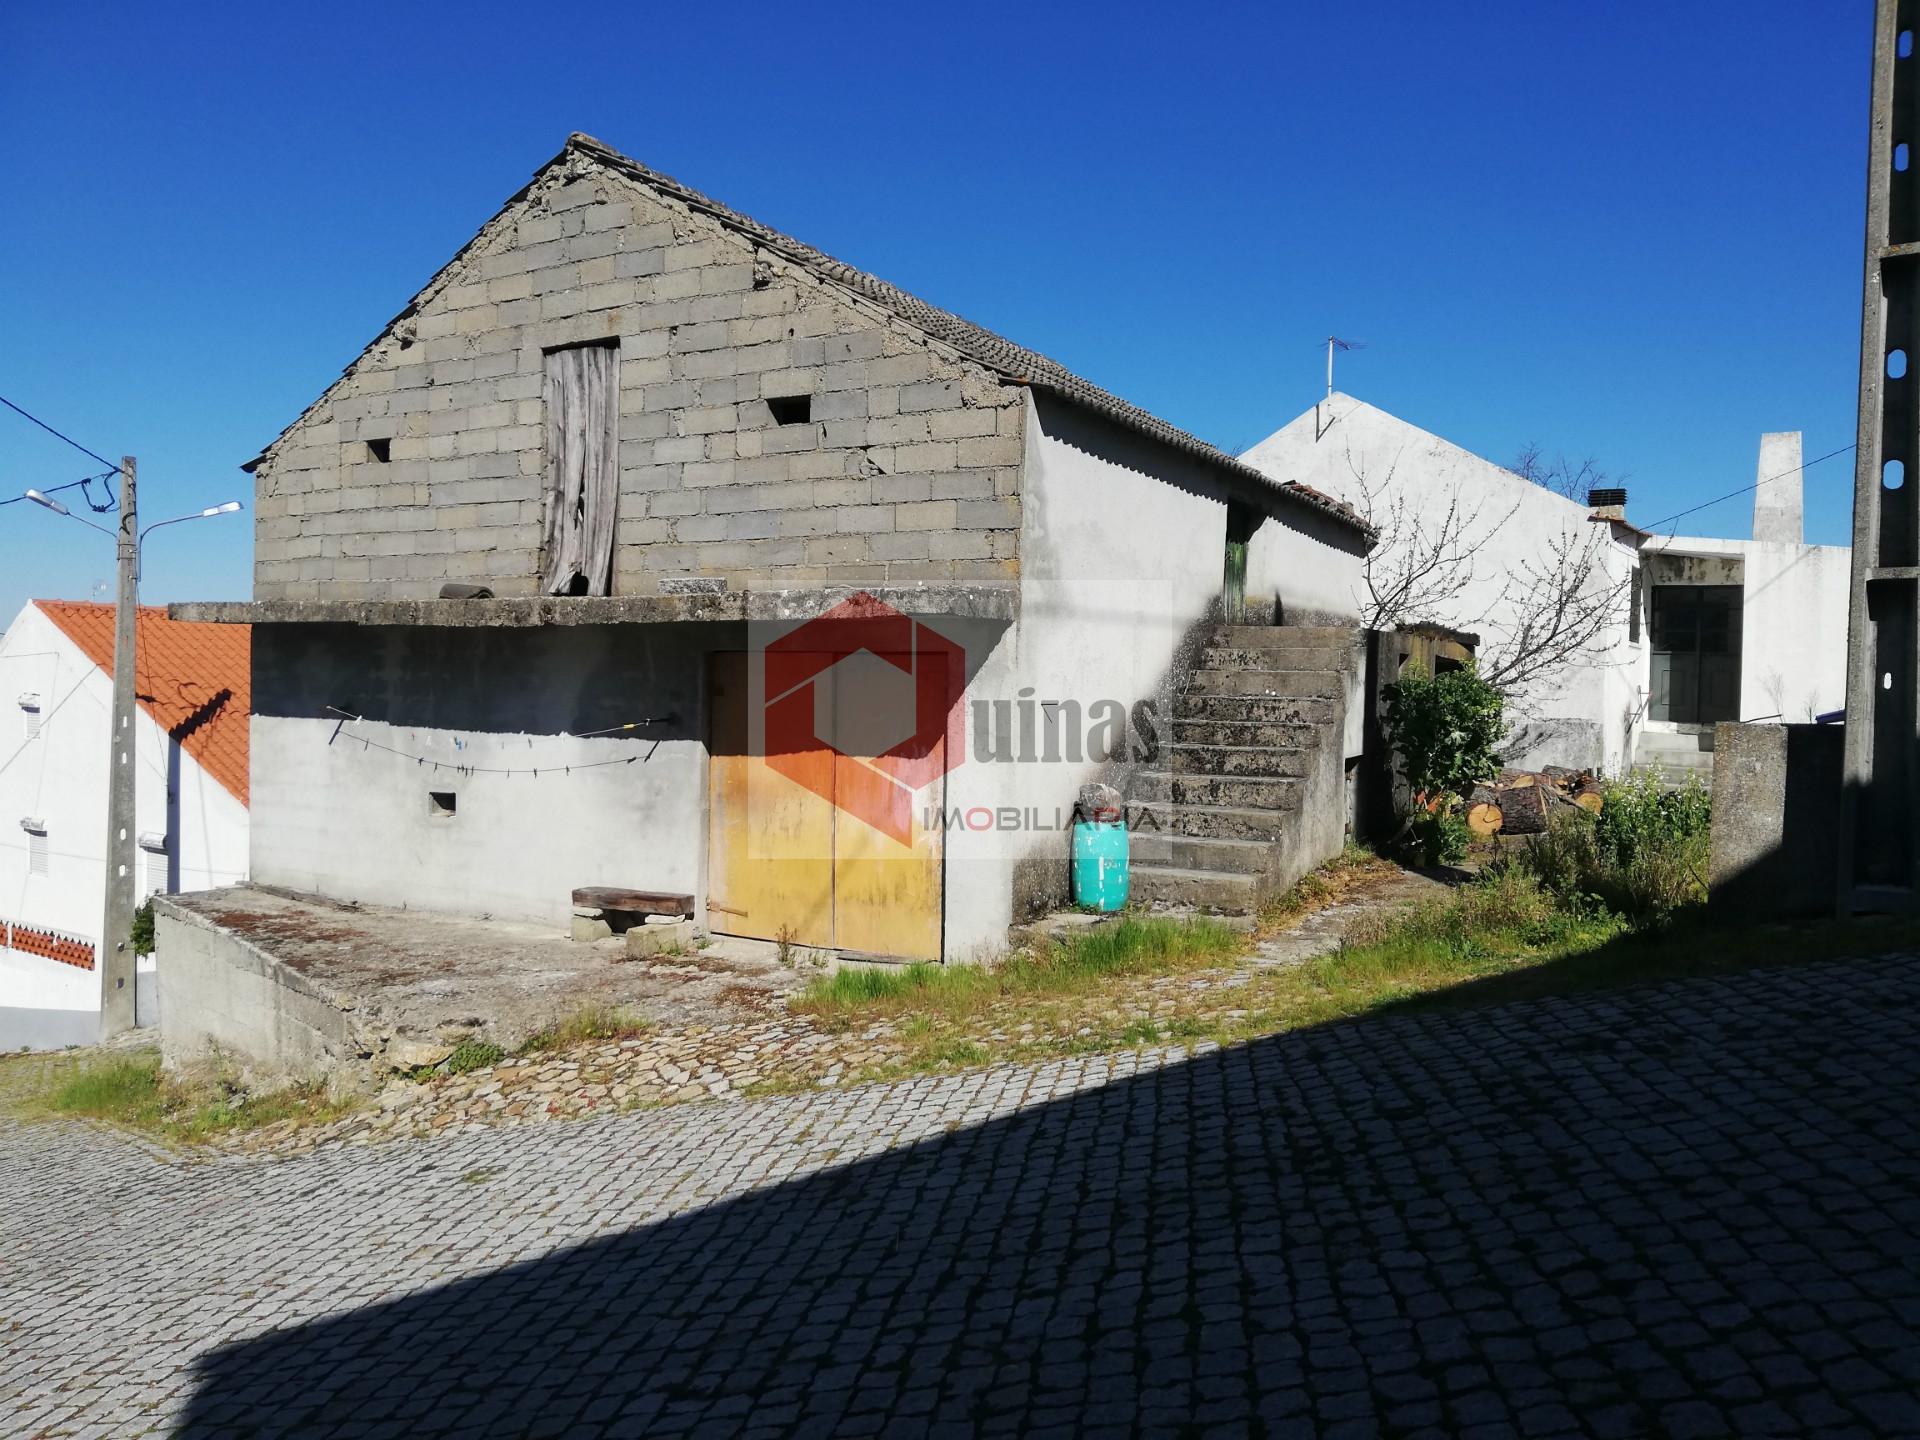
{"points": [[1241, 522], [582, 395], [792, 857]]}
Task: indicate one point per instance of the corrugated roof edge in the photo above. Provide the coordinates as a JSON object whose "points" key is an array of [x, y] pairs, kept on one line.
{"points": [[1014, 362]]}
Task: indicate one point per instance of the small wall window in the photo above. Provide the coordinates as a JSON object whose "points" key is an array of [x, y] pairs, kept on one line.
{"points": [[380, 451], [154, 853], [30, 716], [441, 804], [36, 846], [790, 409]]}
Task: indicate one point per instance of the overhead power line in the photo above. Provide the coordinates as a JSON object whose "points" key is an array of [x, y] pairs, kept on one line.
{"points": [[91, 454], [1749, 489], [84, 485]]}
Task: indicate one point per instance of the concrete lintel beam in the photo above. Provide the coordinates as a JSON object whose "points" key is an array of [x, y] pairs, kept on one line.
{"points": [[977, 602]]}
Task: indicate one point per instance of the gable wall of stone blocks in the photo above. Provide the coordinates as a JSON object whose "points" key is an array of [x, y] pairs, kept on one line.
{"points": [[908, 471]]}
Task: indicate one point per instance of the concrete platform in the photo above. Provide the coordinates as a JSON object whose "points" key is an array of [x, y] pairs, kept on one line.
{"points": [[304, 985]]}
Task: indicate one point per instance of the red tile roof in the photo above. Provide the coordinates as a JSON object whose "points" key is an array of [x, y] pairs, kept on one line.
{"points": [[196, 681]]}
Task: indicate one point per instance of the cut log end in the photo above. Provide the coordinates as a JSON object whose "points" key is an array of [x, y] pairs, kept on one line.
{"points": [[1523, 811], [1592, 800], [1485, 819]]}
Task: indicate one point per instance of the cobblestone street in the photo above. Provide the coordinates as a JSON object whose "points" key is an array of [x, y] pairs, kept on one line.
{"points": [[1683, 1210]]}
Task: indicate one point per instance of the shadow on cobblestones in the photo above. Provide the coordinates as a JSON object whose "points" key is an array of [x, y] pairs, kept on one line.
{"points": [[1604, 1215]]}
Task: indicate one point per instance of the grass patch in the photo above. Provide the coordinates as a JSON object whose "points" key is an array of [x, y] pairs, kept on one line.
{"points": [[1128, 946], [584, 1026], [1339, 879], [133, 1091], [470, 1055]]}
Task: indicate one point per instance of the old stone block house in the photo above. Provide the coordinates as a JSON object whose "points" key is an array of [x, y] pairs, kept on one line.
{"points": [[516, 568]]}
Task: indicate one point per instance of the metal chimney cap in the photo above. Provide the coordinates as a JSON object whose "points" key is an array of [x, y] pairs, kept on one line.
{"points": [[1604, 499]]}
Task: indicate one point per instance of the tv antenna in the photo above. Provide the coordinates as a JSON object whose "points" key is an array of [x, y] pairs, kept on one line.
{"points": [[1334, 342]]}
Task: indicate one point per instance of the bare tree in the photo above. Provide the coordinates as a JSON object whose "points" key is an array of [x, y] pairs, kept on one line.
{"points": [[1419, 567], [1554, 612], [1550, 612], [1570, 478]]}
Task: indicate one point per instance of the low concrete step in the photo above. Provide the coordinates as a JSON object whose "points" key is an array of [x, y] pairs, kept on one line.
{"points": [[1324, 684], [1262, 709], [1262, 635], [1186, 759], [1222, 891], [1292, 735], [1164, 822], [1207, 852], [1276, 657], [1252, 792]]}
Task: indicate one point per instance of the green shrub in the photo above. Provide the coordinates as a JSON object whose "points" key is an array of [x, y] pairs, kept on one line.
{"points": [[474, 1055], [1644, 856], [1444, 729], [142, 933], [1441, 835]]}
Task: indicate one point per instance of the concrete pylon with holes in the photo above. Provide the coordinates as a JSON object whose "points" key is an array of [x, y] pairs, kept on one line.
{"points": [[1880, 790]]}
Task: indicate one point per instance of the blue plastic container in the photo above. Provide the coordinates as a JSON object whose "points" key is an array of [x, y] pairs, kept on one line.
{"points": [[1099, 865]]}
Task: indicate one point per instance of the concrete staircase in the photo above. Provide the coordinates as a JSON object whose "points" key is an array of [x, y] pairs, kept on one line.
{"points": [[1251, 790]]}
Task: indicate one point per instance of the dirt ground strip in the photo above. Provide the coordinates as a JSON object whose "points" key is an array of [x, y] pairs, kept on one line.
{"points": [[444, 977], [728, 1059]]}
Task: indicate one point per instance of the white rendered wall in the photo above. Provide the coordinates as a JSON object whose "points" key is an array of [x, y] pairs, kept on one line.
{"points": [[1122, 556], [335, 815], [60, 778], [1344, 446], [1793, 638]]}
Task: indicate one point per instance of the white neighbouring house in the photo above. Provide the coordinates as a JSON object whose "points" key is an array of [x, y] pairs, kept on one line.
{"points": [[1707, 629], [56, 687]]}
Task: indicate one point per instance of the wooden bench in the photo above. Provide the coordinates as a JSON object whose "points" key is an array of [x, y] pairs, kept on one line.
{"points": [[634, 902]]}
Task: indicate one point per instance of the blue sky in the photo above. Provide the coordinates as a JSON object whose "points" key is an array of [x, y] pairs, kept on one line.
{"points": [[1626, 232]]}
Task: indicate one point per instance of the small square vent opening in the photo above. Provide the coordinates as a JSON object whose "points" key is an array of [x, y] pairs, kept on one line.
{"points": [[791, 409], [441, 804], [380, 451]]}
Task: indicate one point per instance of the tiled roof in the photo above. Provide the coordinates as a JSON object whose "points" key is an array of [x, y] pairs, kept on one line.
{"points": [[976, 342], [196, 681], [979, 344]]}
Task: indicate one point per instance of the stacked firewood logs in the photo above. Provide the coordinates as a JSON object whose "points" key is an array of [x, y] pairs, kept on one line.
{"points": [[1522, 802]]}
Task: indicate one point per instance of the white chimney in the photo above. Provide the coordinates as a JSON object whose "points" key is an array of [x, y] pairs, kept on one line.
{"points": [[1776, 499]]}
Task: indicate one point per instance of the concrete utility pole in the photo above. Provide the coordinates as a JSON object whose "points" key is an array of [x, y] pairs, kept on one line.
{"points": [[117, 986], [1879, 860]]}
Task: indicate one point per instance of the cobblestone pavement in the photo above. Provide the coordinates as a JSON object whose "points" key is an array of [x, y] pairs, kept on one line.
{"points": [[1685, 1210]]}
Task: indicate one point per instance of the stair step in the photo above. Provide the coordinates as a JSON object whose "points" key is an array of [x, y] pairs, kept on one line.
{"points": [[1164, 822], [1324, 684], [1245, 635], [1266, 760], [1290, 734], [1251, 792], [1206, 852], [1222, 891], [1260, 709], [1277, 657]]}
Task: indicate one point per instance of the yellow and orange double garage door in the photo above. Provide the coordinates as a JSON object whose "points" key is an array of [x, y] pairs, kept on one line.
{"points": [[789, 857]]}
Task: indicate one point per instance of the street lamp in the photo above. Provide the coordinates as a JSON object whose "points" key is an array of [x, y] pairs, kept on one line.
{"points": [[117, 985]]}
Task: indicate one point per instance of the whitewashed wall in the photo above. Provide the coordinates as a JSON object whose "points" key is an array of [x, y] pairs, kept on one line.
{"points": [[1122, 556], [1344, 446], [1793, 637], [61, 778]]}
